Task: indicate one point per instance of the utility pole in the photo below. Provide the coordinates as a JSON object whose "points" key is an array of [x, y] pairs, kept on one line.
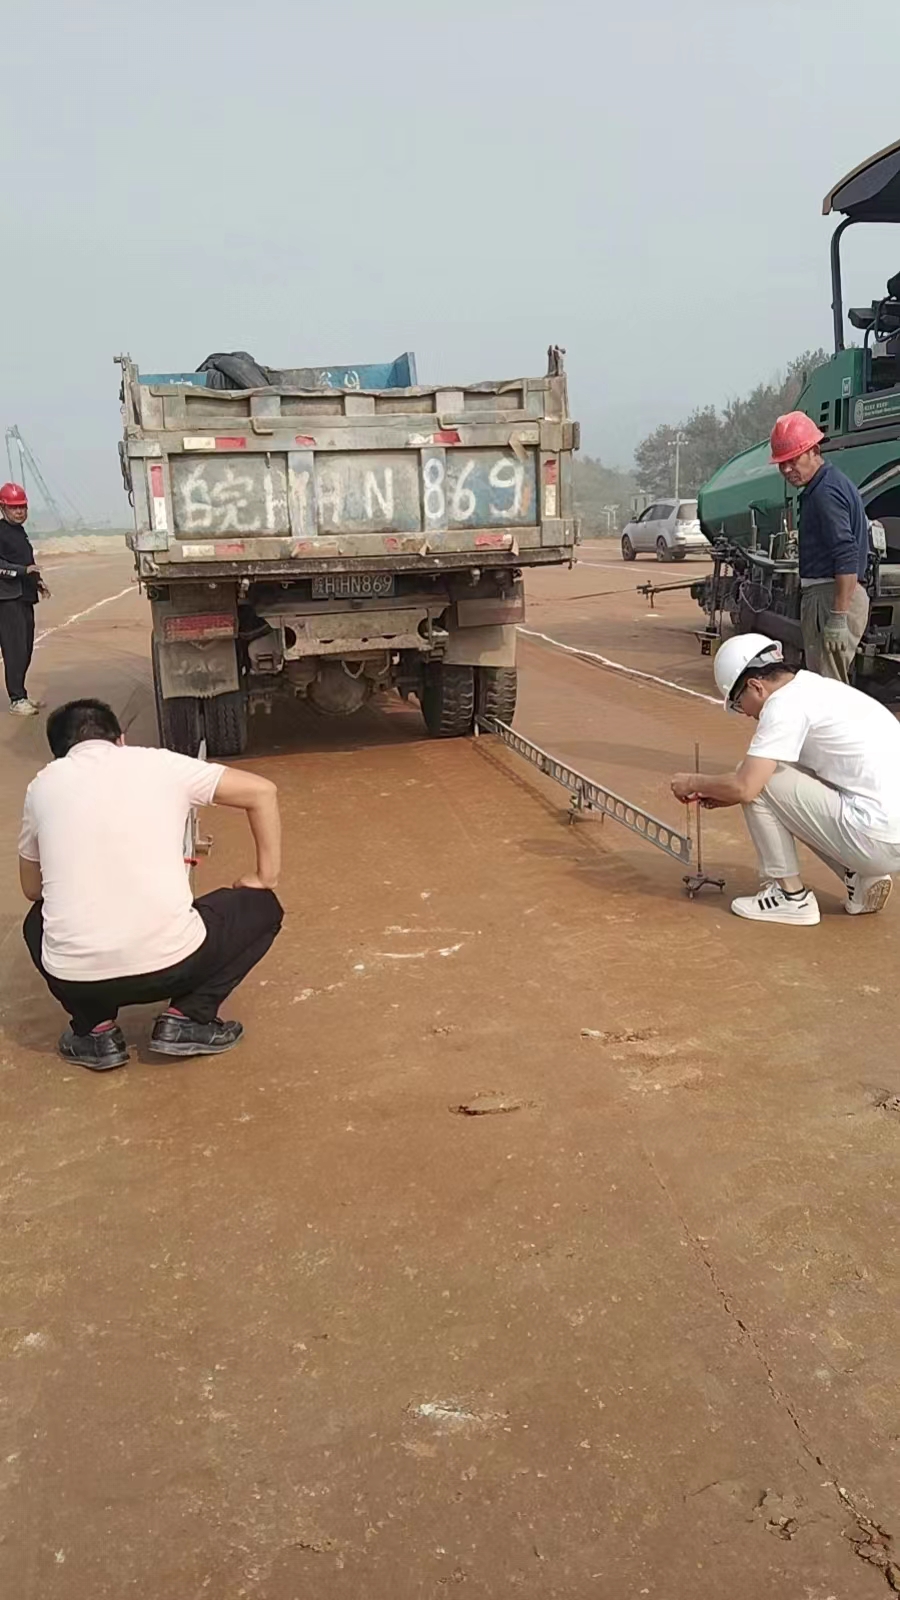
{"points": [[680, 440]]}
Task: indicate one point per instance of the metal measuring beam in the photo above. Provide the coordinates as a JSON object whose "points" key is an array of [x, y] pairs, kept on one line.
{"points": [[587, 795], [653, 589]]}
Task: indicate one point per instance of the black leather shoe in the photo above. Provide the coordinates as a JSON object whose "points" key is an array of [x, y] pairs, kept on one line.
{"points": [[178, 1036], [99, 1052]]}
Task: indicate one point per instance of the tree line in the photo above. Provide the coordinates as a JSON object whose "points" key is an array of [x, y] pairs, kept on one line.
{"points": [[710, 436]]}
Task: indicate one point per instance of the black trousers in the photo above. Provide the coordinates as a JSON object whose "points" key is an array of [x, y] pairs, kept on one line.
{"points": [[241, 925], [16, 644]]}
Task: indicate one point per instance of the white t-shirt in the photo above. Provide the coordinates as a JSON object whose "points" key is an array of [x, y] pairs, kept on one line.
{"points": [[106, 823], [845, 738]]}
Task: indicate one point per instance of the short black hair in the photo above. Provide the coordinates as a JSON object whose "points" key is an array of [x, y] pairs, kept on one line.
{"points": [[769, 669], [79, 720]]}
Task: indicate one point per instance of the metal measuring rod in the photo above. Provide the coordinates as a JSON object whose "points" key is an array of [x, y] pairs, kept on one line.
{"points": [[695, 881], [587, 795]]}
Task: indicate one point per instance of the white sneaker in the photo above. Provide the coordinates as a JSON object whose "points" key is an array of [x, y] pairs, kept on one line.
{"points": [[866, 894], [23, 708], [771, 904]]}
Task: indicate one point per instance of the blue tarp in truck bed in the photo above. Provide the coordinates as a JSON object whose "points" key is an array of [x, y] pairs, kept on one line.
{"points": [[398, 374]]}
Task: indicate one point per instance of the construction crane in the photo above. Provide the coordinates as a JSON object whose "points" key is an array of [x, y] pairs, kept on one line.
{"points": [[23, 465]]}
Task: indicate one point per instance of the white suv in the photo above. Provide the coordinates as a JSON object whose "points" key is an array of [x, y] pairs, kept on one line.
{"points": [[669, 529]]}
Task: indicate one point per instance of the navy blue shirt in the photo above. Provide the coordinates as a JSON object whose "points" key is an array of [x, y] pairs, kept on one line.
{"points": [[834, 528]]}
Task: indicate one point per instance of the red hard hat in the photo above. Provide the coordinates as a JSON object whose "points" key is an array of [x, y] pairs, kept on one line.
{"points": [[12, 494], [792, 435]]}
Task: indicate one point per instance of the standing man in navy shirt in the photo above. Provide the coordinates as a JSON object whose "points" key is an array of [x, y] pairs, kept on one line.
{"points": [[834, 548]]}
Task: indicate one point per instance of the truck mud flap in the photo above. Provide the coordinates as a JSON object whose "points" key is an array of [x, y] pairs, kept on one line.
{"points": [[482, 647], [197, 668]]}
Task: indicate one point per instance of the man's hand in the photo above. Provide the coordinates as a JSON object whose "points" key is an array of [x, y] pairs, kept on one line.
{"points": [[259, 798], [251, 881], [731, 789], [684, 786], [836, 637], [43, 591]]}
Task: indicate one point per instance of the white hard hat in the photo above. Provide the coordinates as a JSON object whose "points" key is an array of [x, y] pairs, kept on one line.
{"points": [[743, 651]]}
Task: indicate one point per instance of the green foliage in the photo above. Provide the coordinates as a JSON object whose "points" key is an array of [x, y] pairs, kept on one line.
{"points": [[712, 437], [595, 487]]}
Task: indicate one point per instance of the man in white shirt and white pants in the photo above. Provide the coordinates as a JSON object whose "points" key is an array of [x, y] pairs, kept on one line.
{"points": [[823, 768], [113, 922]]}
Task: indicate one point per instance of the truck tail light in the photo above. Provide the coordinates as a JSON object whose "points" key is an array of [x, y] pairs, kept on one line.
{"points": [[208, 625]]}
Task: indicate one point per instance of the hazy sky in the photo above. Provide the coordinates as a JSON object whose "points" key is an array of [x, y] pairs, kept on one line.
{"points": [[340, 181]]}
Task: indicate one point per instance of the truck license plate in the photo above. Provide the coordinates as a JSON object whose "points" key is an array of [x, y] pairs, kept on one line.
{"points": [[352, 585]]}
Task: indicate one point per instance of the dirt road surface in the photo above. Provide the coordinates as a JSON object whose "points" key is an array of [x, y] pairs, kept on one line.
{"points": [[290, 1326]]}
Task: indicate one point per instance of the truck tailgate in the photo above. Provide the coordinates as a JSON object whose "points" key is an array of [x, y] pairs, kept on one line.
{"points": [[301, 476]]}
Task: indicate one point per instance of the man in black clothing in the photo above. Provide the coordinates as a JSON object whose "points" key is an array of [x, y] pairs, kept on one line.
{"points": [[20, 589]]}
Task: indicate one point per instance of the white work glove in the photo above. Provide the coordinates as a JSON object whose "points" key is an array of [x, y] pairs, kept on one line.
{"points": [[836, 637]]}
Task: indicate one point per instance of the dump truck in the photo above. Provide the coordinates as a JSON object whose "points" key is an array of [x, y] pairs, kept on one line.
{"points": [[748, 511], [329, 533]]}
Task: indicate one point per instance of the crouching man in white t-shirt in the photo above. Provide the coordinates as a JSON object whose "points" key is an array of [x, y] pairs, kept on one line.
{"points": [[823, 767], [113, 922]]}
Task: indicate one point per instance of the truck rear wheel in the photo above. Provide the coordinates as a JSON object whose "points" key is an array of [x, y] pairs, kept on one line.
{"points": [[448, 700], [226, 720], [496, 689], [178, 720]]}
